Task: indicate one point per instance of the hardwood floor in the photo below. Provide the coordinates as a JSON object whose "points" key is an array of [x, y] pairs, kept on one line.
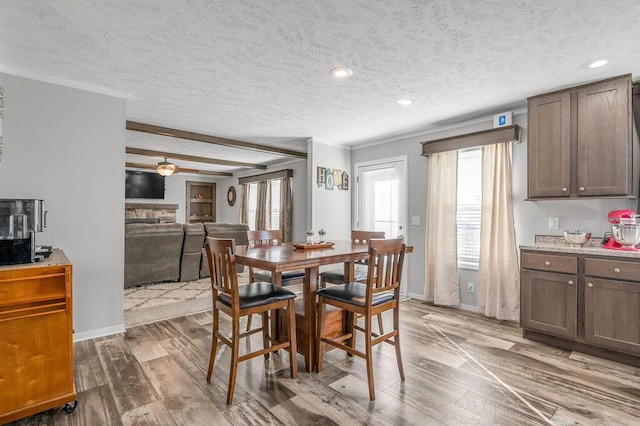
{"points": [[461, 369]]}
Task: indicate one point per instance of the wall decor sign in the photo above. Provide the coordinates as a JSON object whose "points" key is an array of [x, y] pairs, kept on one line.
{"points": [[332, 178]]}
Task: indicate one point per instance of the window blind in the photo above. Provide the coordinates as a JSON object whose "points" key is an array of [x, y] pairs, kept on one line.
{"points": [[469, 207]]}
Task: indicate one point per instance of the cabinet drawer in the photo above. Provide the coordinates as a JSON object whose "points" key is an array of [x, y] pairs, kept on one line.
{"points": [[550, 262], [616, 269], [34, 285]]}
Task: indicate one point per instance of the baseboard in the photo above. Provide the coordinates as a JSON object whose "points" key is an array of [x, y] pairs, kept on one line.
{"points": [[100, 332], [417, 296], [471, 308], [462, 306]]}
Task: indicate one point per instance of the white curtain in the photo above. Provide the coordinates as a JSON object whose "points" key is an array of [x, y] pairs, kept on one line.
{"points": [[263, 209], [442, 252], [499, 278], [244, 204]]}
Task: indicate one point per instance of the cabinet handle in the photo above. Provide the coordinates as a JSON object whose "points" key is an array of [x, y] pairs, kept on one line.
{"points": [[589, 285], [570, 282], [547, 263], [582, 188], [616, 270], [564, 189]]}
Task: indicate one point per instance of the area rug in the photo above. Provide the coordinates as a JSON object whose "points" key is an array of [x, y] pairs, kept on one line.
{"points": [[159, 301]]}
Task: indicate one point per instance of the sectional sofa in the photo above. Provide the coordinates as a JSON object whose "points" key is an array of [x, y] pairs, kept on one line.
{"points": [[172, 251]]}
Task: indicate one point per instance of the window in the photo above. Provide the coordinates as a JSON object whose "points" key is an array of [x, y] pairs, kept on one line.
{"points": [[275, 204], [253, 205], [469, 207]]}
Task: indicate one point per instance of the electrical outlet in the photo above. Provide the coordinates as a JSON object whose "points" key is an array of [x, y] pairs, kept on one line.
{"points": [[554, 222], [470, 288]]}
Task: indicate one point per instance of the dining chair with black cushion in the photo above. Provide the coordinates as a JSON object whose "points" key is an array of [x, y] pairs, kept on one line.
{"points": [[239, 301], [379, 294], [336, 276], [270, 237]]}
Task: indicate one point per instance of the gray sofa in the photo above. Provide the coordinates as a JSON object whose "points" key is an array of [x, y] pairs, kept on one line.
{"points": [[172, 251], [152, 253], [192, 251]]}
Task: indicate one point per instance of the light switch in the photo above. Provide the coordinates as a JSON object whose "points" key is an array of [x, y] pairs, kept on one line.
{"points": [[554, 222], [415, 220]]}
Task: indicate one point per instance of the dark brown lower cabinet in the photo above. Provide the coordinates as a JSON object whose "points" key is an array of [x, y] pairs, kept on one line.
{"points": [[590, 303], [612, 314], [549, 302]]}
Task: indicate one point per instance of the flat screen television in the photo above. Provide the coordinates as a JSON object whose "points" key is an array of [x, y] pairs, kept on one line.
{"points": [[144, 185]]}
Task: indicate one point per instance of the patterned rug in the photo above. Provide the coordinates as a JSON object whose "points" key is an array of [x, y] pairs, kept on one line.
{"points": [[159, 301], [159, 294]]}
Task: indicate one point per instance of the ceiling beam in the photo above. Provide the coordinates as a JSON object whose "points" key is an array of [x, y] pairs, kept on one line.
{"points": [[180, 169], [174, 156], [199, 137]]}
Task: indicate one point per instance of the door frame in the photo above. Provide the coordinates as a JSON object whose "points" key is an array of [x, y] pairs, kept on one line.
{"points": [[404, 204]]}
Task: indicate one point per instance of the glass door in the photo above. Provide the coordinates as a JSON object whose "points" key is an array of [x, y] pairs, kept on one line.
{"points": [[381, 199]]}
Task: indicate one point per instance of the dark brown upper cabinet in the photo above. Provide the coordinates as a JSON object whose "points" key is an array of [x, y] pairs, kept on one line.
{"points": [[582, 142]]}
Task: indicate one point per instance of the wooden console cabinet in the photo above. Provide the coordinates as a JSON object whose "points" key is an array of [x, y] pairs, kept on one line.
{"points": [[582, 142], [583, 302], [36, 345]]}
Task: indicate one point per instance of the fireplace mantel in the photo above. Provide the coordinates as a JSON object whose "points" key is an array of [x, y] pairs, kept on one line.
{"points": [[165, 213]]}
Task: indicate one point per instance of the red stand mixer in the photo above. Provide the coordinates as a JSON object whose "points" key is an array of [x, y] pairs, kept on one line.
{"points": [[625, 231]]}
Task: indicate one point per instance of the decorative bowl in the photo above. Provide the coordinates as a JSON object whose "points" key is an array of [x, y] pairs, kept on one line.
{"points": [[577, 237]]}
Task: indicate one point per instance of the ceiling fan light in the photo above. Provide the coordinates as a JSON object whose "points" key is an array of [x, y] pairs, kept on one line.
{"points": [[165, 168]]}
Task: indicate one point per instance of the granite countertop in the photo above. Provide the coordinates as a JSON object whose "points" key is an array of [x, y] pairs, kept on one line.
{"points": [[599, 251], [550, 243]]}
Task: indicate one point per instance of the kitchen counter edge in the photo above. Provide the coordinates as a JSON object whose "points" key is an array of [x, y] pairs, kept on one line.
{"points": [[595, 251]]}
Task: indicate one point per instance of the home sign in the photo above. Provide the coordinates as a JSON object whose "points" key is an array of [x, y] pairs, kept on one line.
{"points": [[332, 178]]}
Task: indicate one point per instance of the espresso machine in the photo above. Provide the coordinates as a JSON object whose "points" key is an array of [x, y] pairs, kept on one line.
{"points": [[20, 219]]}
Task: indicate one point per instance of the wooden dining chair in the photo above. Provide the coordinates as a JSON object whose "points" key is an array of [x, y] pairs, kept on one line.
{"points": [[379, 294], [238, 301], [336, 276], [270, 237]]}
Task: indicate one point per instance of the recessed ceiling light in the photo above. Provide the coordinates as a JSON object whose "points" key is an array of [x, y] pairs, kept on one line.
{"points": [[405, 102], [598, 63], [340, 73]]}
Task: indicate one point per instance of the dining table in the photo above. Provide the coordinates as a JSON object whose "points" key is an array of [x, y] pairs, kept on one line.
{"points": [[279, 258]]}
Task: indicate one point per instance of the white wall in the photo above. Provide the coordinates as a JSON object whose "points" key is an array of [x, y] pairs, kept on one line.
{"points": [[67, 147], [330, 209], [531, 218], [226, 213]]}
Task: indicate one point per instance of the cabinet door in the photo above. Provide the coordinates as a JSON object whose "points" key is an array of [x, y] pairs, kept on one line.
{"points": [[549, 303], [604, 138], [549, 145], [36, 358], [612, 314]]}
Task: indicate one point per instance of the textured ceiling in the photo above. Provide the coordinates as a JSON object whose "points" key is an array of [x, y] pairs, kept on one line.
{"points": [[257, 70]]}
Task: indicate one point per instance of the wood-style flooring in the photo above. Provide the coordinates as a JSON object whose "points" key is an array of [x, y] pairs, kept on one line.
{"points": [[461, 369]]}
